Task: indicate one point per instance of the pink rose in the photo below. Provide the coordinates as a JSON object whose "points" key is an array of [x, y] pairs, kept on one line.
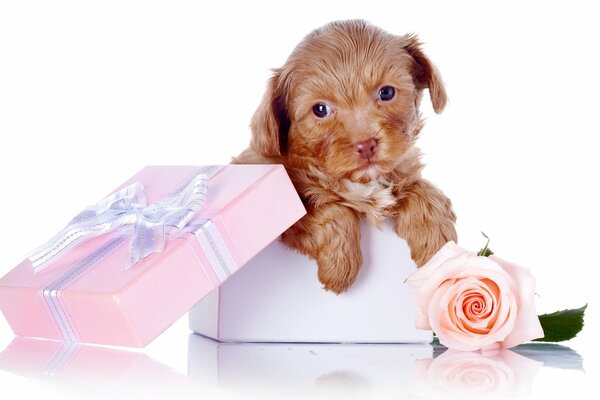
{"points": [[473, 302]]}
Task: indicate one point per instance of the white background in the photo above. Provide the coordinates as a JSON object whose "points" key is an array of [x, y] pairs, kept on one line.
{"points": [[90, 92]]}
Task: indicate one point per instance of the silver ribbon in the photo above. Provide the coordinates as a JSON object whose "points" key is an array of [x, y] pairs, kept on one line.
{"points": [[214, 248], [128, 212]]}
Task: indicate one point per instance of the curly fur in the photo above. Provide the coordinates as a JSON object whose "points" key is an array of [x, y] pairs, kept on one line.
{"points": [[344, 64]]}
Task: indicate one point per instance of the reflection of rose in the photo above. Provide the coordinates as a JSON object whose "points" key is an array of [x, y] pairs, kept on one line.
{"points": [[473, 302], [469, 374]]}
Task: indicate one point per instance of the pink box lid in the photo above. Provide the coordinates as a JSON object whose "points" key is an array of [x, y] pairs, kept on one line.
{"points": [[247, 207]]}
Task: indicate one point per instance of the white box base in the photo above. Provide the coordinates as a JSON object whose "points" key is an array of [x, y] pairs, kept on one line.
{"points": [[277, 297]]}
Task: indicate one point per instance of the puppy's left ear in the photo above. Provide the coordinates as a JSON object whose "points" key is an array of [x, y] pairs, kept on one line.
{"points": [[425, 74], [270, 123]]}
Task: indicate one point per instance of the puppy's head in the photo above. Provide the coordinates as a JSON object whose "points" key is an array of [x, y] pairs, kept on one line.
{"points": [[347, 100]]}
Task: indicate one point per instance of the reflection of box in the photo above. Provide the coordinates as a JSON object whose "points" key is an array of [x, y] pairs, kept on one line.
{"points": [[84, 371], [278, 298], [88, 294], [82, 363], [288, 369]]}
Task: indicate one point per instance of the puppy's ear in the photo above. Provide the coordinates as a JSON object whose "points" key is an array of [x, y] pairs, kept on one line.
{"points": [[270, 123], [425, 74]]}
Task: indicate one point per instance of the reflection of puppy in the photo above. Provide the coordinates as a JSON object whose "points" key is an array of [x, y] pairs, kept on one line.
{"points": [[341, 383], [342, 116]]}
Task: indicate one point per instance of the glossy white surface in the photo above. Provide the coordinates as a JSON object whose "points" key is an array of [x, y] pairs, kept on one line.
{"points": [[303, 371], [90, 92]]}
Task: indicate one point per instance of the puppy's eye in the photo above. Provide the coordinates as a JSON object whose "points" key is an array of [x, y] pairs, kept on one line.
{"points": [[386, 93], [321, 110]]}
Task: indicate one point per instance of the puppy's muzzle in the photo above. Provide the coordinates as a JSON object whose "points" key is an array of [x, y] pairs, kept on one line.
{"points": [[366, 148]]}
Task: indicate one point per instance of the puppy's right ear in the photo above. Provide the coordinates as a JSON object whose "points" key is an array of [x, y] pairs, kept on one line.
{"points": [[425, 74], [270, 123]]}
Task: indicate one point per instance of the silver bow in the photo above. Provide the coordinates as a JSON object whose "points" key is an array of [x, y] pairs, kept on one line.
{"points": [[127, 211]]}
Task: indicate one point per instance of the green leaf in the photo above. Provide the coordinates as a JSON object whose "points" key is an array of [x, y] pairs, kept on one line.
{"points": [[486, 252], [562, 325]]}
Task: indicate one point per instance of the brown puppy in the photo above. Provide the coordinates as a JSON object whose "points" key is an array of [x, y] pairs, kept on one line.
{"points": [[342, 116]]}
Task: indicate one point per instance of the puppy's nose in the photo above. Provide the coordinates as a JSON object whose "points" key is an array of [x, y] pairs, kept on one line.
{"points": [[366, 148]]}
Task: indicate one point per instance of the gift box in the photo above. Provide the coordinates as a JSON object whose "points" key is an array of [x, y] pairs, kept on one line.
{"points": [[128, 267], [278, 298], [308, 370]]}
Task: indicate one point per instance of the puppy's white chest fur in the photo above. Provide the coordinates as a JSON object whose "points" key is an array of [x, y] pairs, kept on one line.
{"points": [[373, 198]]}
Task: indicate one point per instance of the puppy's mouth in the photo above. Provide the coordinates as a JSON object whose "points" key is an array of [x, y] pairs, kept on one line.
{"points": [[368, 162], [372, 167], [368, 168]]}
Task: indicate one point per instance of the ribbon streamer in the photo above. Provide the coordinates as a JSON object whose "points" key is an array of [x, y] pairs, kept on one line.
{"points": [[127, 211]]}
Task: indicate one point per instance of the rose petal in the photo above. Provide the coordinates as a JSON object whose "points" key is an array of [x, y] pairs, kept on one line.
{"points": [[462, 266], [527, 324], [449, 250], [467, 292], [507, 314], [424, 284], [446, 329], [456, 331], [422, 275]]}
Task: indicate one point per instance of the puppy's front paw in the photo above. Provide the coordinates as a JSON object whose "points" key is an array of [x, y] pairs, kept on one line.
{"points": [[330, 235], [338, 269], [425, 240], [426, 220], [421, 251]]}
